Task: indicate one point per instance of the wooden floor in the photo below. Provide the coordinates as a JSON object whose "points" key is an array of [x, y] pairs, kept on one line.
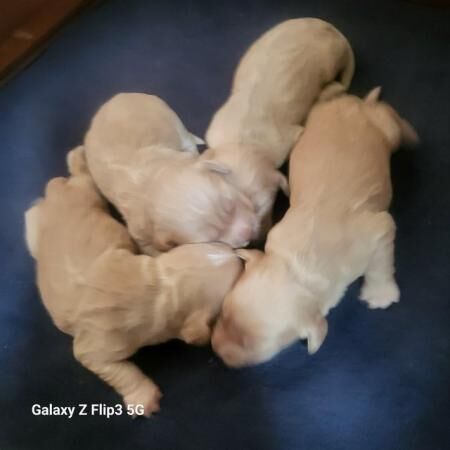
{"points": [[26, 26]]}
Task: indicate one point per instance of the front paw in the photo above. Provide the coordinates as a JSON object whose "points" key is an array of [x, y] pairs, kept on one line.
{"points": [[198, 335], [380, 295], [196, 329], [148, 395]]}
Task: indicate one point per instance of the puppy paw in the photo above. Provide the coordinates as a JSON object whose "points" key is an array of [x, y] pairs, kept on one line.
{"points": [[196, 335], [148, 395], [380, 295], [196, 329]]}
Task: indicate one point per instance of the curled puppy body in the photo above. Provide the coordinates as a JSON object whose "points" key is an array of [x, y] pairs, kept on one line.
{"points": [[336, 230], [145, 162], [111, 300], [275, 85]]}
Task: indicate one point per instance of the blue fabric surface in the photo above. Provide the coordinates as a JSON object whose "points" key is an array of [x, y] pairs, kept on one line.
{"points": [[380, 381]]}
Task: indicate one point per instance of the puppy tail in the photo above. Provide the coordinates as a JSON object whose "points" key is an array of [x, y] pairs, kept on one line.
{"points": [[374, 95], [76, 161], [349, 68], [32, 226]]}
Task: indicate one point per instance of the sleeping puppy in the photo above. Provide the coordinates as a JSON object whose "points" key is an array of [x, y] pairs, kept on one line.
{"points": [[145, 162], [275, 85], [336, 229], [111, 300]]}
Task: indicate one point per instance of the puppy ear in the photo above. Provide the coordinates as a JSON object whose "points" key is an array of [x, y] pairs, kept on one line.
{"points": [[249, 256], [215, 166]]}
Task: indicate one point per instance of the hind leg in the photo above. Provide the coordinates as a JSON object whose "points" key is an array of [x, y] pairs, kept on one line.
{"points": [[105, 355], [380, 289]]}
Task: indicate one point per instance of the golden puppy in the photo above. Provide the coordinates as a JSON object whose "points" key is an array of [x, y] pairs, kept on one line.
{"points": [[336, 229], [111, 300], [145, 162], [275, 85]]}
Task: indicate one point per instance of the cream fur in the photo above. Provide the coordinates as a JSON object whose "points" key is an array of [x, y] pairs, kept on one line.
{"points": [[145, 162], [275, 85], [111, 300], [336, 230]]}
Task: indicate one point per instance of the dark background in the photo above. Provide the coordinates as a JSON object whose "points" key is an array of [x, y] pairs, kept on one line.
{"points": [[380, 381]]}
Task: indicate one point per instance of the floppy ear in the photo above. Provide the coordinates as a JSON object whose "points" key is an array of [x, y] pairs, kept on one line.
{"points": [[214, 166], [249, 256]]}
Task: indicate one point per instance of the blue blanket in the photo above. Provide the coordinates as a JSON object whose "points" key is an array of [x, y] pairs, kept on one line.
{"points": [[381, 379]]}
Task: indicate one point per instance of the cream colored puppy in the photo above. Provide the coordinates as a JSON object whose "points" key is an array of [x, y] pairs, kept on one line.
{"points": [[111, 300], [145, 162], [336, 230], [275, 85]]}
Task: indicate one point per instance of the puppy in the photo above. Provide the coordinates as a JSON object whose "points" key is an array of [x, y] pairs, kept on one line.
{"points": [[111, 300], [275, 85], [145, 162], [336, 229]]}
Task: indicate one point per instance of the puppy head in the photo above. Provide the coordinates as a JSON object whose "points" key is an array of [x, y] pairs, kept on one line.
{"points": [[200, 205], [199, 276], [235, 215], [264, 313], [255, 177], [394, 128]]}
